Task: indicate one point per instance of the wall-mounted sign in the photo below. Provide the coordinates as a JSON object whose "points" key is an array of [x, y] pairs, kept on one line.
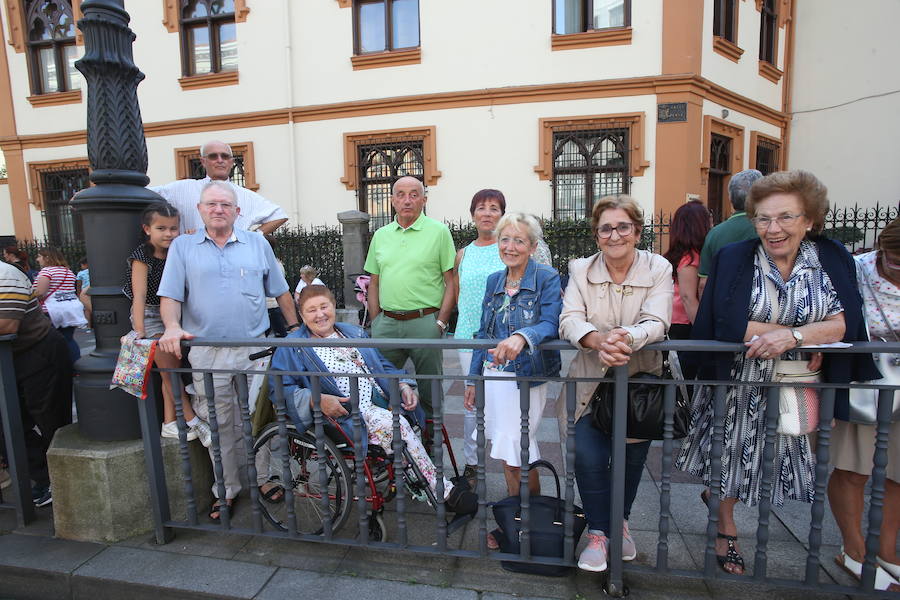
{"points": [[671, 112]]}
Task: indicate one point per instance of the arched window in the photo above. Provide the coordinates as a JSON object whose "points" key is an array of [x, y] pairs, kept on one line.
{"points": [[208, 37], [51, 46], [588, 165], [380, 165]]}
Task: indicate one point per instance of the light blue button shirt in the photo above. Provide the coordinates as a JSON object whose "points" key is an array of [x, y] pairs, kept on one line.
{"points": [[222, 290]]}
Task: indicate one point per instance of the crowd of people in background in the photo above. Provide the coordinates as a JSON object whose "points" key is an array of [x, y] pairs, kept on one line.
{"points": [[765, 277]]}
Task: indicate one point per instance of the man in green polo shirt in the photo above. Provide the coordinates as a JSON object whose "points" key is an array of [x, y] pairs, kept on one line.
{"points": [[736, 228], [411, 294]]}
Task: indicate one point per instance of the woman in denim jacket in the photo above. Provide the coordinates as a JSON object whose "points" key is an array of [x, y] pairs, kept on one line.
{"points": [[521, 307]]}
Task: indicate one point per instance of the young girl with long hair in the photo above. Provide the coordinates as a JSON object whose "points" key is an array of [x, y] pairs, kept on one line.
{"points": [[688, 229], [160, 223]]}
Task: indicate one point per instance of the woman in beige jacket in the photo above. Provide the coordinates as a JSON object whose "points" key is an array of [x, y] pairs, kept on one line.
{"points": [[617, 301]]}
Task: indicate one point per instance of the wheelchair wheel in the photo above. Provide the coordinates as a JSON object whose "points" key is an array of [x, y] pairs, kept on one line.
{"points": [[377, 528], [304, 490]]}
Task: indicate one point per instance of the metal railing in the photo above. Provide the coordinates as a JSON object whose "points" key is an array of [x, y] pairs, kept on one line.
{"points": [[13, 434], [429, 533]]}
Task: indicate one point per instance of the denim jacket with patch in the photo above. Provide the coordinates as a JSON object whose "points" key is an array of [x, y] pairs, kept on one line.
{"points": [[533, 313]]}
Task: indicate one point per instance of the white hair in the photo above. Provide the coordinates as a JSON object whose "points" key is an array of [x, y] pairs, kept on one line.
{"points": [[523, 221], [203, 147], [222, 185]]}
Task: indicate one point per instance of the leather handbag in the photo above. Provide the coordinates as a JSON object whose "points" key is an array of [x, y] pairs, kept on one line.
{"points": [[864, 402], [798, 407], [645, 418], [546, 525]]}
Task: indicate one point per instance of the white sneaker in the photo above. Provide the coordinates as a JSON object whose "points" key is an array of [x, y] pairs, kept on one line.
{"points": [[202, 432], [629, 552], [593, 557], [170, 430]]}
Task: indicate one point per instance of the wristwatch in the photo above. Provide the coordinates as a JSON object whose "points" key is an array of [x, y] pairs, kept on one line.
{"points": [[292, 327], [798, 337], [441, 324]]}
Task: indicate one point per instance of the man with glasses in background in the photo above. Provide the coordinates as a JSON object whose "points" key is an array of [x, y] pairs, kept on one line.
{"points": [[214, 286], [218, 161]]}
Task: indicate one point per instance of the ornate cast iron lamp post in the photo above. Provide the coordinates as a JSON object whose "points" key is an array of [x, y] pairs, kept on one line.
{"points": [[110, 210]]}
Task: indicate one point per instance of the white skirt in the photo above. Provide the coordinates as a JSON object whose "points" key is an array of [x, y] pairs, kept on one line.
{"points": [[502, 417]]}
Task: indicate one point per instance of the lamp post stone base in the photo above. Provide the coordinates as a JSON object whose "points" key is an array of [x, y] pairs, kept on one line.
{"points": [[100, 489]]}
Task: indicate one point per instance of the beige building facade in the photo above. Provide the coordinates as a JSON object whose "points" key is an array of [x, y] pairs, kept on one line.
{"points": [[325, 102]]}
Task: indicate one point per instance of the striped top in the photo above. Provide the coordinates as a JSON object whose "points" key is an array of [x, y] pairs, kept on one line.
{"points": [[61, 280], [18, 302]]}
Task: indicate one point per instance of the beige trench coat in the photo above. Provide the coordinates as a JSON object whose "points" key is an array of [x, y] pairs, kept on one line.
{"points": [[641, 304]]}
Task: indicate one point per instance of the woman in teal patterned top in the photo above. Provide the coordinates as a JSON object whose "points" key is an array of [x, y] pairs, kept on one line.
{"points": [[473, 265]]}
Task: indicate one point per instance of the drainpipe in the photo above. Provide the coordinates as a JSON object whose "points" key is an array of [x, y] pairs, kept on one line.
{"points": [[787, 90], [289, 49]]}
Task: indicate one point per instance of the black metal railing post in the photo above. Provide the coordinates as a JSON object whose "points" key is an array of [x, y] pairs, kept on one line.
{"points": [[615, 585], [14, 434], [156, 474]]}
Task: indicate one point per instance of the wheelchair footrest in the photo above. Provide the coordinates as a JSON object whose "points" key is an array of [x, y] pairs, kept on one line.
{"points": [[457, 522]]}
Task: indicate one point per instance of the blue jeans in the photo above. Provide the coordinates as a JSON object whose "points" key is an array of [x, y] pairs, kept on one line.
{"points": [[593, 471]]}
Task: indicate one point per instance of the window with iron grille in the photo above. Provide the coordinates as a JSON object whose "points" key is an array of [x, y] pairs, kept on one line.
{"points": [[384, 25], [768, 31], [380, 165], [588, 165], [723, 20], [51, 46], [719, 170], [208, 37], [237, 175], [576, 16], [768, 155], [63, 226]]}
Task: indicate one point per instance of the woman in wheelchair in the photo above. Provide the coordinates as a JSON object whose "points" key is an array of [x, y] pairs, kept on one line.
{"points": [[317, 307]]}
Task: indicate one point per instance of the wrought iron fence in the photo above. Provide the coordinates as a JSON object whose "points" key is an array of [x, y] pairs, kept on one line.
{"points": [[331, 492], [319, 247]]}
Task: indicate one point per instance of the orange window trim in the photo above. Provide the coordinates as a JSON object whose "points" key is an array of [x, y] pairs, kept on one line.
{"points": [[614, 36], [183, 157], [724, 128], [36, 168], [755, 137], [353, 140], [635, 122], [172, 14]]}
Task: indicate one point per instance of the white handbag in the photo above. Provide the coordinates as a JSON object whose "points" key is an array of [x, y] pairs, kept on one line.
{"points": [[864, 402]]}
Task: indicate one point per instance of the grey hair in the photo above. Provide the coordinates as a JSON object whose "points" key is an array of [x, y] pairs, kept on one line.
{"points": [[222, 185], [522, 221], [417, 180], [205, 144], [739, 187]]}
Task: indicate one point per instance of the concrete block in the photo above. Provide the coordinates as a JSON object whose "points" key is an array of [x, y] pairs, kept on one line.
{"points": [[347, 315], [287, 583], [100, 489], [25, 559]]}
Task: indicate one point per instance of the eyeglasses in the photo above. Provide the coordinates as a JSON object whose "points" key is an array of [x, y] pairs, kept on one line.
{"points": [[622, 229], [226, 206], [218, 155], [519, 242], [784, 221]]}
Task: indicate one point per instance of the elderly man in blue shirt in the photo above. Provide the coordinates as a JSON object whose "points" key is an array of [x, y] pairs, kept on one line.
{"points": [[214, 286]]}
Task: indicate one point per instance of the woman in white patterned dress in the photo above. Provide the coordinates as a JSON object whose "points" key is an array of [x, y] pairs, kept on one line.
{"points": [[853, 444], [814, 281]]}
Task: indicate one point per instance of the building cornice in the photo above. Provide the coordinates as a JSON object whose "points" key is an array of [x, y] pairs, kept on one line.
{"points": [[636, 86]]}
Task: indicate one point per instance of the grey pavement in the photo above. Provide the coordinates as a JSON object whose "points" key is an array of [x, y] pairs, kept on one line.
{"points": [[203, 564]]}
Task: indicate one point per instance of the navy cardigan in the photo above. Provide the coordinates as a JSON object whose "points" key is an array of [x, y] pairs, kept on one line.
{"points": [[723, 311]]}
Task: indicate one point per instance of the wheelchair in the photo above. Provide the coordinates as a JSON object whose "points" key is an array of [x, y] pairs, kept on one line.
{"points": [[304, 492]]}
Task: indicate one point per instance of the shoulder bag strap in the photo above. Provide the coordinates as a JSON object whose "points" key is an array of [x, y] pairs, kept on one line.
{"points": [[877, 303], [770, 287]]}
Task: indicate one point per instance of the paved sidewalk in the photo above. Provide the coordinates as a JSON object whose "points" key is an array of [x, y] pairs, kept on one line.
{"points": [[34, 564]]}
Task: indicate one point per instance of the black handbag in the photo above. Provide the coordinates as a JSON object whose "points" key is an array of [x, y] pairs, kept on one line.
{"points": [[645, 417], [546, 528]]}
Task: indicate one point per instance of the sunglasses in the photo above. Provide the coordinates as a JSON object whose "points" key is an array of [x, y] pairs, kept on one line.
{"points": [[218, 155]]}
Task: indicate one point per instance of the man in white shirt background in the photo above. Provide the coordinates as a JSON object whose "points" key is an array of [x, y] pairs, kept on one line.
{"points": [[218, 160]]}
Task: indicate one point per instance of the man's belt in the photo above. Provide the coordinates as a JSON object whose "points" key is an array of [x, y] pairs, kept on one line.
{"points": [[407, 315]]}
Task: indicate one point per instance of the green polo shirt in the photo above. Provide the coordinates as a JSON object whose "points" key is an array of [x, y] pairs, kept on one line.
{"points": [[410, 263], [736, 228]]}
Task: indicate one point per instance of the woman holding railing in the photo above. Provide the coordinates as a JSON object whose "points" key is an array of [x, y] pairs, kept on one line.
{"points": [[790, 288], [617, 301], [853, 438]]}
